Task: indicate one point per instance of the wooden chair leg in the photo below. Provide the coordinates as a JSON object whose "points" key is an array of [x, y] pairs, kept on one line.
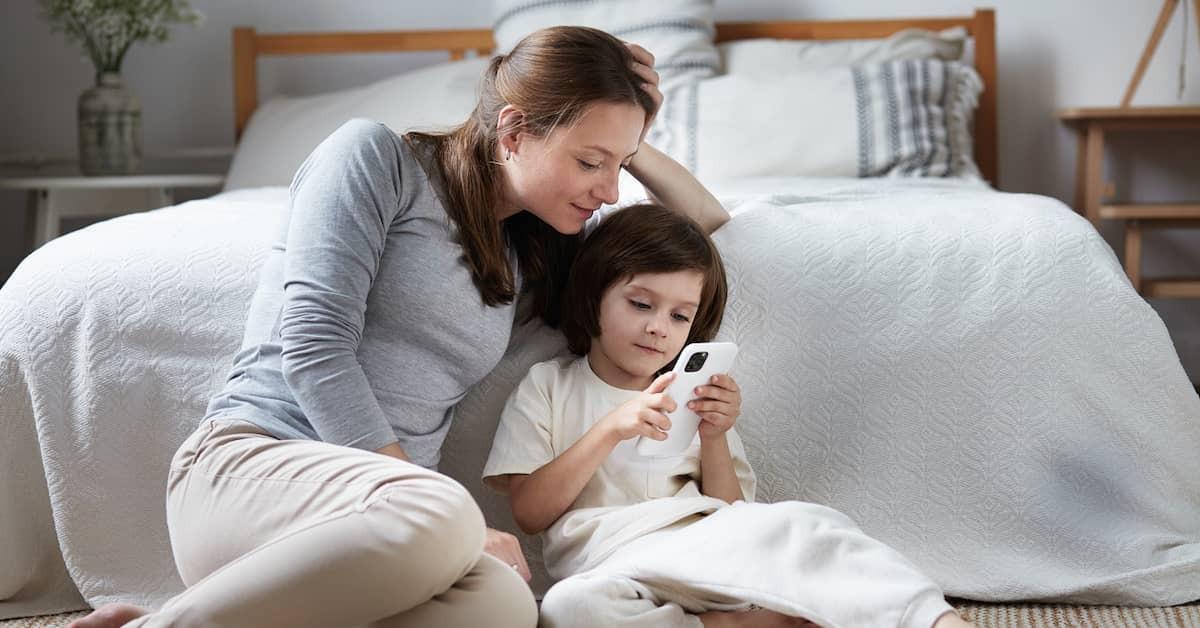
{"points": [[1093, 179], [1133, 253], [1081, 172]]}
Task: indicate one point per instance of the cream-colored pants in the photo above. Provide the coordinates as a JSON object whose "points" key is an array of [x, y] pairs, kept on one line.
{"points": [[270, 532]]}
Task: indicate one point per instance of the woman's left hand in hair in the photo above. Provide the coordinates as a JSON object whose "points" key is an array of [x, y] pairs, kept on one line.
{"points": [[718, 403], [643, 65]]}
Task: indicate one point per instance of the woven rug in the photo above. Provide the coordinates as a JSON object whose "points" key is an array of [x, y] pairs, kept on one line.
{"points": [[1069, 616], [43, 621], [984, 616]]}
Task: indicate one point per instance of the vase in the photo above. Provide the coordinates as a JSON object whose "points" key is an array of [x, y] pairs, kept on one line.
{"points": [[110, 128]]}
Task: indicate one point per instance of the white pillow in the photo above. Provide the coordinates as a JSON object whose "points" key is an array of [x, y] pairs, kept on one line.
{"points": [[679, 33], [283, 131], [903, 118], [772, 57]]}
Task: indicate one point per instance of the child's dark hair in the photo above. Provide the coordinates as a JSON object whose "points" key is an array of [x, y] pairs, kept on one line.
{"points": [[639, 239]]}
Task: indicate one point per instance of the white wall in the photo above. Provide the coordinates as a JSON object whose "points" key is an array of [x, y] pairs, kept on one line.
{"points": [[1052, 53]]}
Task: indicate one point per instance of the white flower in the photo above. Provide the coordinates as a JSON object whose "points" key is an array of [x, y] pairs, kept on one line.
{"points": [[107, 28]]}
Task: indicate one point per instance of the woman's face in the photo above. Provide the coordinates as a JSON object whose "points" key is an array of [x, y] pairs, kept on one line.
{"points": [[564, 177], [644, 323]]}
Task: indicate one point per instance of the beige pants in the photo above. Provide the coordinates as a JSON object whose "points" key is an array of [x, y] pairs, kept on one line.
{"points": [[270, 532]]}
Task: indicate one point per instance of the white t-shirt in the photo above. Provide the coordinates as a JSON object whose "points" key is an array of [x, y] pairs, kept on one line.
{"points": [[556, 403]]}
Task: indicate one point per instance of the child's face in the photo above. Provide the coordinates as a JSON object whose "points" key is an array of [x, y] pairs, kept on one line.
{"points": [[644, 323]]}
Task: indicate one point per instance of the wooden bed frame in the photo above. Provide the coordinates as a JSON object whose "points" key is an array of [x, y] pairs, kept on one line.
{"points": [[249, 45]]}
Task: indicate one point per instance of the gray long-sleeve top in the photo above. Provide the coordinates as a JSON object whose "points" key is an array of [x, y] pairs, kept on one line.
{"points": [[365, 328]]}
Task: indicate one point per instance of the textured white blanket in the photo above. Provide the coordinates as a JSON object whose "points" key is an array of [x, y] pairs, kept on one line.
{"points": [[967, 374]]}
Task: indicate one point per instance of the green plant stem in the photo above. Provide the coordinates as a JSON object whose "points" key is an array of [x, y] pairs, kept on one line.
{"points": [[121, 56], [88, 43]]}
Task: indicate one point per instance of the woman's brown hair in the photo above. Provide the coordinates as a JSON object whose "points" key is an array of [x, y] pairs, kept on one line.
{"points": [[641, 239], [552, 76]]}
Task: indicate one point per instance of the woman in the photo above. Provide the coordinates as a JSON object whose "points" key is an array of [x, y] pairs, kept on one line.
{"points": [[389, 294]]}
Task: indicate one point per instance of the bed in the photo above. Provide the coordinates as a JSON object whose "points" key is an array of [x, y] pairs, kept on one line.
{"points": [[966, 372]]}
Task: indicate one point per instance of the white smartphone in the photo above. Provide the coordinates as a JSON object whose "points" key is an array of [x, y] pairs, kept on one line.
{"points": [[696, 365]]}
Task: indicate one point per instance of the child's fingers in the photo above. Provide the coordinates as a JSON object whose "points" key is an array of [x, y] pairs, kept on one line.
{"points": [[714, 392], [711, 405], [719, 387], [661, 401], [649, 431], [660, 383], [656, 420], [724, 380]]}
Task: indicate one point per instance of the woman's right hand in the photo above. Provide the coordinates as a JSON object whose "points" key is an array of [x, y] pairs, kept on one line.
{"points": [[507, 548], [644, 415]]}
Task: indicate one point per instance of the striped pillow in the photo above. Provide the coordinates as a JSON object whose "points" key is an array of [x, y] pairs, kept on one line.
{"points": [[679, 33], [900, 118], [780, 56], [915, 118]]}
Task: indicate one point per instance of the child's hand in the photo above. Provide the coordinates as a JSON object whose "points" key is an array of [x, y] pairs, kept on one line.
{"points": [[644, 414], [718, 403]]}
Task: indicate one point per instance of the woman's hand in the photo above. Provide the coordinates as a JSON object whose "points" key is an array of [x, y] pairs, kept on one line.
{"points": [[718, 404], [668, 182], [507, 549], [644, 415], [394, 450], [643, 65]]}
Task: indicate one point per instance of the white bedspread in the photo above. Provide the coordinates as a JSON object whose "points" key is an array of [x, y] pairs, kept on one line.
{"points": [[967, 374]]}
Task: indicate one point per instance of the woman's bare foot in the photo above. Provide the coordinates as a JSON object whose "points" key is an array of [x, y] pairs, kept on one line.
{"points": [[109, 616], [952, 620], [754, 618]]}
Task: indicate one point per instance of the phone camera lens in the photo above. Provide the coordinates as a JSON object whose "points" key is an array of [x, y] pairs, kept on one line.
{"points": [[695, 362]]}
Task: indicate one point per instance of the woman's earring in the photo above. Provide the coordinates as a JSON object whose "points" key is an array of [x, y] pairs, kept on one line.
{"points": [[507, 154]]}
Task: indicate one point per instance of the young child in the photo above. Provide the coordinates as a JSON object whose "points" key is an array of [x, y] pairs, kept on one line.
{"points": [[681, 544]]}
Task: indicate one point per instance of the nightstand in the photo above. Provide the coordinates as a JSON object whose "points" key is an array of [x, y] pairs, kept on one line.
{"points": [[1091, 191], [59, 190]]}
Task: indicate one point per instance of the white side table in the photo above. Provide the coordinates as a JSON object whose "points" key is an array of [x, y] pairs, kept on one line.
{"points": [[58, 190]]}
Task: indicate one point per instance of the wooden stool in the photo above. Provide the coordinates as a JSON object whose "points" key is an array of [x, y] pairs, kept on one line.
{"points": [[1091, 190]]}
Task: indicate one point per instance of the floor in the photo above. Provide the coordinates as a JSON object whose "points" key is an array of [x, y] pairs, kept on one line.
{"points": [[984, 616]]}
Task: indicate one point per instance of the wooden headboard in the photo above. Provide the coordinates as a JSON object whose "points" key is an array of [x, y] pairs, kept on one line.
{"points": [[248, 46]]}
